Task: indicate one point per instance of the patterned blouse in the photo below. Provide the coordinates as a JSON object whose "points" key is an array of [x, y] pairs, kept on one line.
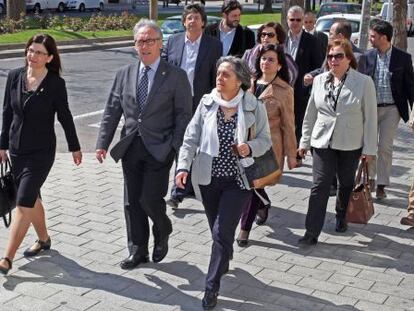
{"points": [[225, 165]]}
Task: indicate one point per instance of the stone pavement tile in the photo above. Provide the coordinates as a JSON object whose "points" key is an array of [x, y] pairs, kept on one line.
{"points": [[381, 277], [98, 226], [148, 292], [101, 236], [5, 294], [300, 260], [69, 229], [369, 306], [194, 247], [98, 217], [390, 290], [103, 305], [65, 210], [310, 273], [30, 304], [279, 276], [107, 297], [283, 288], [70, 250], [362, 294], [350, 281], [300, 302], [255, 250], [337, 300], [35, 290], [316, 284], [103, 257], [260, 306], [72, 301], [252, 293], [270, 264], [102, 247], [70, 239], [160, 306], [69, 220], [398, 302]]}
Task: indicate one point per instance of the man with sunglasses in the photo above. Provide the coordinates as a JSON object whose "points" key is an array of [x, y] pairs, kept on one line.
{"points": [[235, 38], [308, 55], [154, 97], [392, 71]]}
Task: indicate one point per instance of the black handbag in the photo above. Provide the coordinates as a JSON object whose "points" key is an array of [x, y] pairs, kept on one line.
{"points": [[7, 192], [265, 170]]}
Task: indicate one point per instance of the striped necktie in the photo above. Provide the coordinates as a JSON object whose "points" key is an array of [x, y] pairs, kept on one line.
{"points": [[142, 89]]}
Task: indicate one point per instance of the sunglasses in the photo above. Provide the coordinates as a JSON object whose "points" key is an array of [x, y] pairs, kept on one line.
{"points": [[295, 20], [269, 34], [339, 56]]}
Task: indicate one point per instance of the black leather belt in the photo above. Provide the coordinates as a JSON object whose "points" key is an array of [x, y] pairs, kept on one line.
{"points": [[384, 104]]}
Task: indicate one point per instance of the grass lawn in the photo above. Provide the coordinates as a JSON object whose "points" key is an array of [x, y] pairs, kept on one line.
{"points": [[249, 18]]}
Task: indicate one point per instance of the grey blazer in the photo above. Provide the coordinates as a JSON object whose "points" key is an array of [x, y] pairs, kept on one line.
{"points": [[354, 122], [163, 121], [254, 113]]}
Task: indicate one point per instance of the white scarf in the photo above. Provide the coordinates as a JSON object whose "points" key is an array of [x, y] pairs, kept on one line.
{"points": [[209, 136]]}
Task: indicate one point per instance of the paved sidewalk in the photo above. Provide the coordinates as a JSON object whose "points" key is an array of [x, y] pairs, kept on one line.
{"points": [[368, 268]]}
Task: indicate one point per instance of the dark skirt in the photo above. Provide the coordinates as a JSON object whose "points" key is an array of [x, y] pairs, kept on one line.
{"points": [[30, 171]]}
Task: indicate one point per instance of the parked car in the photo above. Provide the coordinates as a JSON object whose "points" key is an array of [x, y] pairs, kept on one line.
{"points": [[38, 6], [324, 23], [173, 24], [83, 5], [339, 7], [2, 7], [410, 15]]}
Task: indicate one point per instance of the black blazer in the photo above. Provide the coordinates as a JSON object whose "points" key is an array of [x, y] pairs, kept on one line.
{"points": [[163, 120], [30, 126], [243, 38], [308, 58], [209, 52], [402, 78], [323, 41]]}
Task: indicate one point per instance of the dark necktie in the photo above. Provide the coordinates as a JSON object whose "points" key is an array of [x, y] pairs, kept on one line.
{"points": [[142, 89]]}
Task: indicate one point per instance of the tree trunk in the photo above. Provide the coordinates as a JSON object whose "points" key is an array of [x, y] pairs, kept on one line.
{"points": [[365, 19], [307, 5], [153, 10], [285, 7], [313, 5], [267, 8], [400, 31], [15, 8]]}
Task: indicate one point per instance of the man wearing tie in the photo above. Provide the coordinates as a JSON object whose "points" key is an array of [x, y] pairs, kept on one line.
{"points": [[154, 98]]}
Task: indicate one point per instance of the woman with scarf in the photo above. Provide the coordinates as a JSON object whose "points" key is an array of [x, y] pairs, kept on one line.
{"points": [[271, 33], [272, 87], [216, 145]]}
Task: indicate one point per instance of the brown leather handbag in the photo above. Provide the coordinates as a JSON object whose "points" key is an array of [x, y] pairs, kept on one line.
{"points": [[360, 206]]}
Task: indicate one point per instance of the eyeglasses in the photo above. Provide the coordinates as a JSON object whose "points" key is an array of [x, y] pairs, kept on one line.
{"points": [[269, 34], [295, 20], [149, 42], [339, 56], [269, 59], [36, 53]]}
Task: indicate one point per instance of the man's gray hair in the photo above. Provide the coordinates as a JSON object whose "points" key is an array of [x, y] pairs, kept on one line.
{"points": [[240, 68], [143, 23], [294, 9]]}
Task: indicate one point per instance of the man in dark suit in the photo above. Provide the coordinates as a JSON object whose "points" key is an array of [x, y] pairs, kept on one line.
{"points": [[309, 21], [306, 52], [392, 72], [197, 55], [154, 98], [236, 39]]}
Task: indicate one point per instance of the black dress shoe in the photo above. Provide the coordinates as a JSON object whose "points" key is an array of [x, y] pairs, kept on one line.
{"points": [[30, 252], [160, 250], [210, 300], [133, 261], [4, 270], [341, 225], [308, 240]]}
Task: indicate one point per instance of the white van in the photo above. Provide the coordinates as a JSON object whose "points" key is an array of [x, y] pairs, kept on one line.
{"points": [[38, 6], [83, 5], [410, 15]]}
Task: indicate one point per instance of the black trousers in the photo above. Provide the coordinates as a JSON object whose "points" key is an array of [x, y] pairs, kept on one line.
{"points": [[224, 202], [145, 185], [326, 164]]}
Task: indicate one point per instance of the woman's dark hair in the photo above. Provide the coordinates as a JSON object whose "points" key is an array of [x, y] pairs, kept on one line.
{"points": [[194, 8], [50, 45], [283, 73], [346, 45], [280, 32]]}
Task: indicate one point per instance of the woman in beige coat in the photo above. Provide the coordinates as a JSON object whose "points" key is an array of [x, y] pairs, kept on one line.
{"points": [[272, 87]]}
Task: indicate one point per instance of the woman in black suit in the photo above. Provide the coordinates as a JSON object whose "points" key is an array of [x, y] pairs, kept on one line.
{"points": [[34, 95]]}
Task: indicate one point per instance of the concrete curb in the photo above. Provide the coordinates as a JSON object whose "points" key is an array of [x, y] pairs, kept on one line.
{"points": [[17, 50]]}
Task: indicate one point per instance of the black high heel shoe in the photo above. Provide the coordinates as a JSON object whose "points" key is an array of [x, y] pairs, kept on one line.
{"points": [[3, 270], [262, 215], [44, 245]]}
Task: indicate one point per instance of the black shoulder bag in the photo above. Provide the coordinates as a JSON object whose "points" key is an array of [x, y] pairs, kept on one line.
{"points": [[7, 192]]}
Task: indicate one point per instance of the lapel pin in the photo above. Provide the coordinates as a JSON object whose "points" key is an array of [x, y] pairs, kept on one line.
{"points": [[163, 73]]}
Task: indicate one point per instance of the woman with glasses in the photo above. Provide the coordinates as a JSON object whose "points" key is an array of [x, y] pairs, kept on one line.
{"points": [[272, 87], [34, 94], [217, 146], [271, 33], [340, 126]]}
